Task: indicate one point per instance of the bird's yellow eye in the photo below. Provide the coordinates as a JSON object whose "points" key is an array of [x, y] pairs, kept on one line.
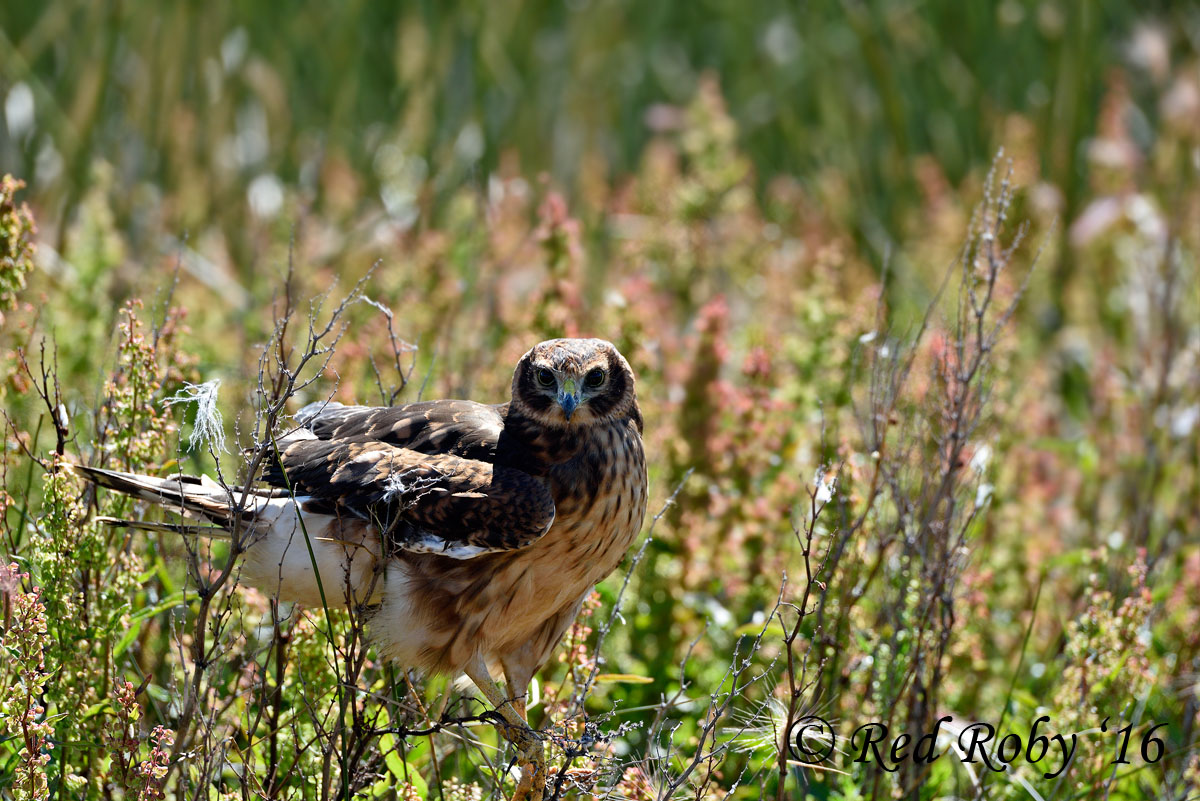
{"points": [[545, 377], [594, 378]]}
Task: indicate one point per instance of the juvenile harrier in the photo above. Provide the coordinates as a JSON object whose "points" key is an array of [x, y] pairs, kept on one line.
{"points": [[471, 532]]}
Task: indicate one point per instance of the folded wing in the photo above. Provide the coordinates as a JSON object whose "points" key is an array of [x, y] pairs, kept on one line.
{"points": [[423, 502], [459, 427]]}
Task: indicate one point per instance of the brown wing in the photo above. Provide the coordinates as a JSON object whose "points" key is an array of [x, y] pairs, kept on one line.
{"points": [[459, 427], [432, 503]]}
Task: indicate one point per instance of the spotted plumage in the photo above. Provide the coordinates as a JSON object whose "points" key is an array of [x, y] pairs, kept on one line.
{"points": [[470, 533]]}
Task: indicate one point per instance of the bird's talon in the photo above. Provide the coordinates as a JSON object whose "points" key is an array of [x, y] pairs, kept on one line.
{"points": [[531, 758]]}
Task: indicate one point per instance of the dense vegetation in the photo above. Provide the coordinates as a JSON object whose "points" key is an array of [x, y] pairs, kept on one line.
{"points": [[927, 422]]}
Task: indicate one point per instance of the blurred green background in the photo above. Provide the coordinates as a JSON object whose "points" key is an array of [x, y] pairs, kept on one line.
{"points": [[204, 111]]}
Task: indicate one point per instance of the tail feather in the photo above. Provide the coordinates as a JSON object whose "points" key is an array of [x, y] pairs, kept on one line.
{"points": [[183, 529], [294, 550], [193, 496]]}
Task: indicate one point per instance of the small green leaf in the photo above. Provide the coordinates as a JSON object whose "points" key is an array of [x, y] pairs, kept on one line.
{"points": [[140, 616], [399, 767], [622, 678], [96, 709], [774, 629]]}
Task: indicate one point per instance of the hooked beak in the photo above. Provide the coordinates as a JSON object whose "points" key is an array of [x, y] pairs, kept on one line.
{"points": [[568, 397]]}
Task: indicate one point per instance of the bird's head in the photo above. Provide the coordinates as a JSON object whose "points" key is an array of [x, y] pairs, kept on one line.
{"points": [[574, 382]]}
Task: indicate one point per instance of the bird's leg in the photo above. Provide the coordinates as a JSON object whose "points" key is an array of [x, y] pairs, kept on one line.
{"points": [[532, 753], [517, 695], [477, 671]]}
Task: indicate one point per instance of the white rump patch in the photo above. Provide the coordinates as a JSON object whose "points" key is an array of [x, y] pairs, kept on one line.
{"points": [[284, 558]]}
